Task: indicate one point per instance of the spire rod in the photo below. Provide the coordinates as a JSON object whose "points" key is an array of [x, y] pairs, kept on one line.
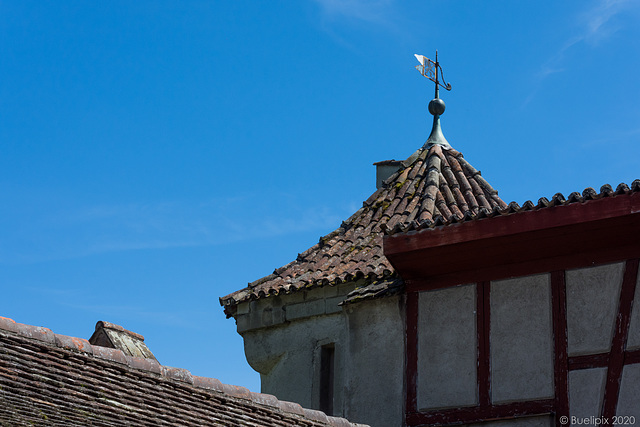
{"points": [[432, 70], [437, 96]]}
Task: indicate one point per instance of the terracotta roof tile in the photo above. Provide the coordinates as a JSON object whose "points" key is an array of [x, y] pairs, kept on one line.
{"points": [[51, 379], [435, 185]]}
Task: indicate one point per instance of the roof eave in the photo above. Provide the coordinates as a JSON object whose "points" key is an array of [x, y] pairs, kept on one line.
{"points": [[569, 235]]}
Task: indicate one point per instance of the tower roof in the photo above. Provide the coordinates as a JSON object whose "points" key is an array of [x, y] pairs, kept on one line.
{"points": [[435, 185]]}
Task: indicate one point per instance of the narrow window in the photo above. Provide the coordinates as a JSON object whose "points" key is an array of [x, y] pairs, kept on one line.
{"points": [[327, 356]]}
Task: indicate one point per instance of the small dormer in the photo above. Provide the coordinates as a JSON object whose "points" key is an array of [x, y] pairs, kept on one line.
{"points": [[115, 336]]}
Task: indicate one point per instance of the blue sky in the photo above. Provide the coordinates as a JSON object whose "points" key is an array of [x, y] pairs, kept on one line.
{"points": [[158, 155]]}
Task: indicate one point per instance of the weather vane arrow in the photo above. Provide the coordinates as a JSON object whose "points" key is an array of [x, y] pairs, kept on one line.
{"points": [[431, 70]]}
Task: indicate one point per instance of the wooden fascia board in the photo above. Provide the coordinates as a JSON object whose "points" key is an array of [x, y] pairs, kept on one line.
{"points": [[566, 236]]}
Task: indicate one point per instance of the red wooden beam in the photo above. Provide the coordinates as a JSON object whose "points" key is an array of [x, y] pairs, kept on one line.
{"points": [[561, 364], [589, 361], [517, 255], [601, 360], [631, 357], [517, 223], [483, 329], [411, 353], [476, 414], [556, 238]]}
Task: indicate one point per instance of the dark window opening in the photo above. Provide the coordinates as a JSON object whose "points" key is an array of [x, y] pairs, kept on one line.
{"points": [[327, 356]]}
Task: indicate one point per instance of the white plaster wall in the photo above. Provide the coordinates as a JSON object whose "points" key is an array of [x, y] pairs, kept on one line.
{"points": [[633, 342], [374, 391], [521, 339], [592, 303], [283, 336], [285, 357], [447, 348], [629, 398], [586, 391]]}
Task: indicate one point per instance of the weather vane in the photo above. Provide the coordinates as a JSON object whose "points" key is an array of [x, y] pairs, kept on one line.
{"points": [[431, 69]]}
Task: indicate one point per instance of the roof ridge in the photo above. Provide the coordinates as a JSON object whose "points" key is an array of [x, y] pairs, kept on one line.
{"points": [[109, 325], [82, 345]]}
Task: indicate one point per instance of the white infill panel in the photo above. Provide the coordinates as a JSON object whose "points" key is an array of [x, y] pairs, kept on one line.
{"points": [[521, 339], [634, 328], [629, 399], [592, 305], [447, 348], [586, 391]]}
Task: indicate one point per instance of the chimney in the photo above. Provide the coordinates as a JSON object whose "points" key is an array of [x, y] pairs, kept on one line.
{"points": [[385, 169], [115, 336]]}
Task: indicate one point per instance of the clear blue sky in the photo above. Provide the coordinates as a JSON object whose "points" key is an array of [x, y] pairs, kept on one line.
{"points": [[155, 156]]}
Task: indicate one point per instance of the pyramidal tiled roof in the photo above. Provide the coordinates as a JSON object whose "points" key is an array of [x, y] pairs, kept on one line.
{"points": [[435, 185]]}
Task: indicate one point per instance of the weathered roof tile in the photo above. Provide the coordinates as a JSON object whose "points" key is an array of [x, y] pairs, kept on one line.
{"points": [[606, 190], [72, 343]]}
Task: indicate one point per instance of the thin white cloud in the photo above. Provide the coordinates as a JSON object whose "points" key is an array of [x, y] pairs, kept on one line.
{"points": [[84, 300], [369, 14], [596, 25], [374, 11], [72, 231]]}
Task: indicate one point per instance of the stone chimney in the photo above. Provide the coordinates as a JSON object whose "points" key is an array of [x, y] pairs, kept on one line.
{"points": [[385, 169], [115, 336]]}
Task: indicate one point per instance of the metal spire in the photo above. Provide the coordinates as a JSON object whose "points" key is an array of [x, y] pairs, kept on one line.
{"points": [[432, 70]]}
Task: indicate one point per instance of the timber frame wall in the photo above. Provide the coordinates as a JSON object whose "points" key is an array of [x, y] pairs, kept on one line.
{"points": [[614, 360], [550, 240]]}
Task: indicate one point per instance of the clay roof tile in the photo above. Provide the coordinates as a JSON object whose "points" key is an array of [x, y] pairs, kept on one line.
{"points": [[589, 193]]}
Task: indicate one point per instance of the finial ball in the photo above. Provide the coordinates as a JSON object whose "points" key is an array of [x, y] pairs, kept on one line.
{"points": [[436, 107]]}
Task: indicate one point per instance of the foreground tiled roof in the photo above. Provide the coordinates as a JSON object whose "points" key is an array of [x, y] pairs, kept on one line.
{"points": [[57, 380], [433, 185]]}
